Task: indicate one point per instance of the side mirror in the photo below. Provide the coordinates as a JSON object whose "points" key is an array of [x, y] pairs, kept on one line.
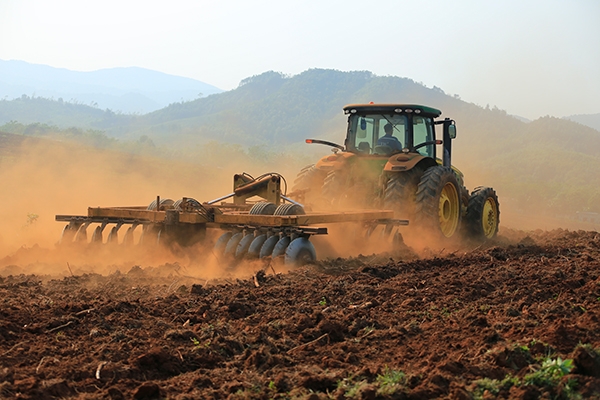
{"points": [[452, 131]]}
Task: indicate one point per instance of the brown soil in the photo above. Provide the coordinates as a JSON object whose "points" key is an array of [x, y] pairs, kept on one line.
{"points": [[341, 329]]}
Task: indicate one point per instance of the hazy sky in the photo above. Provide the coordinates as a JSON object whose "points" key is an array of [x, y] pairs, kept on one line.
{"points": [[529, 57]]}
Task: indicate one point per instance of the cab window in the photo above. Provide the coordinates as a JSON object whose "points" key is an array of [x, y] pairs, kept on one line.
{"points": [[423, 132], [367, 130]]}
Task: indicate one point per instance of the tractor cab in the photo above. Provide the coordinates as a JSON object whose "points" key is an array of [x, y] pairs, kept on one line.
{"points": [[411, 129]]}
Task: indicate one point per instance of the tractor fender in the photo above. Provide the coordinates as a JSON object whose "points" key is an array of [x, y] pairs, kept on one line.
{"points": [[406, 161], [335, 161]]}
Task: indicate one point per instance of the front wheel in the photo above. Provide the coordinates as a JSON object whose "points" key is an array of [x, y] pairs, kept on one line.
{"points": [[437, 205], [483, 214]]}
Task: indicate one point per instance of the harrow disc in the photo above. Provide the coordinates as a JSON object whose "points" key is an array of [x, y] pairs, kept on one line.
{"points": [[150, 236], [68, 233], [81, 235], [232, 244], [243, 246], [300, 251], [113, 236], [97, 235], [256, 245], [128, 238], [222, 243], [281, 247], [267, 248]]}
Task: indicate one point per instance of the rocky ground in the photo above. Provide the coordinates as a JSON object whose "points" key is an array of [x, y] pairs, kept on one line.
{"points": [[518, 318]]}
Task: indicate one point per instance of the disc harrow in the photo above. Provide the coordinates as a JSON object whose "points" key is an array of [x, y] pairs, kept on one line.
{"points": [[275, 227]]}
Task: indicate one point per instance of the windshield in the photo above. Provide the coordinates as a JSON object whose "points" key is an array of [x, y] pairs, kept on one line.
{"points": [[368, 134], [386, 134]]}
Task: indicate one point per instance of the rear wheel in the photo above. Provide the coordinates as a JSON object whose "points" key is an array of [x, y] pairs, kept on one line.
{"points": [[483, 213], [335, 188], [400, 192], [437, 205], [307, 185]]}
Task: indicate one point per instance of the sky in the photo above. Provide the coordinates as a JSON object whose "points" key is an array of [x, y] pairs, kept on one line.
{"points": [[531, 58]]}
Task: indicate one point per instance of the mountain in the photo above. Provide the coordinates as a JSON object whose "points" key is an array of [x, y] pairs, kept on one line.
{"points": [[126, 90], [591, 120], [546, 166]]}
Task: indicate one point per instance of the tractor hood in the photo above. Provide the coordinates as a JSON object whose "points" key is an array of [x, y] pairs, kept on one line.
{"points": [[334, 161]]}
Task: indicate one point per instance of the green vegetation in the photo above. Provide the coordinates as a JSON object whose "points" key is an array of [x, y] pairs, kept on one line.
{"points": [[391, 382], [546, 375]]}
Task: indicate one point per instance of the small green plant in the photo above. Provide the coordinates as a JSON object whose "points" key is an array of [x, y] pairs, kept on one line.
{"points": [[350, 386], [323, 302], [493, 386], [199, 345], [272, 387], [390, 382], [521, 348], [484, 308], [550, 372]]}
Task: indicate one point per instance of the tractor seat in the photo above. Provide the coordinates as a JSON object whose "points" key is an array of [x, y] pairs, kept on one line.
{"points": [[364, 147]]}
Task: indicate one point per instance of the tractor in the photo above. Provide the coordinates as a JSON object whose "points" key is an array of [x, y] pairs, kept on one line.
{"points": [[391, 160]]}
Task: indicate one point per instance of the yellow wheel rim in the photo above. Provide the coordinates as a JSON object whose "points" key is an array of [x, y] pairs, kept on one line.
{"points": [[449, 210], [489, 218]]}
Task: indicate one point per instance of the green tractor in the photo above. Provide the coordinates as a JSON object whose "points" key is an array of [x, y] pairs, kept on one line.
{"points": [[390, 160]]}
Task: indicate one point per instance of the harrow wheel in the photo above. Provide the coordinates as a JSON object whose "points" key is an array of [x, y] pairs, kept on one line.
{"points": [[289, 209], [164, 203], [191, 203], [263, 208]]}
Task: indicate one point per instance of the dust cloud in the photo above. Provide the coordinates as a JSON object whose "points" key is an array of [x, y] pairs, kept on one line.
{"points": [[45, 178]]}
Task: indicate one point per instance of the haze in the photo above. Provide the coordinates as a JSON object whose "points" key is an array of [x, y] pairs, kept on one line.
{"points": [[531, 58]]}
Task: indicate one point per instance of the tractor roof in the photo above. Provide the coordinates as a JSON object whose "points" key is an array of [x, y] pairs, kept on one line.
{"points": [[394, 108]]}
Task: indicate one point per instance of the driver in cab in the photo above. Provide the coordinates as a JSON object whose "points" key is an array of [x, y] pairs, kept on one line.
{"points": [[388, 139]]}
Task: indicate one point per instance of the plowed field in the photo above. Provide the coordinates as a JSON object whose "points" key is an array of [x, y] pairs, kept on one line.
{"points": [[518, 318]]}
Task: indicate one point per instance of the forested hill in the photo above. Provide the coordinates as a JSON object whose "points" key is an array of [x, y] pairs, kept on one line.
{"points": [[549, 163]]}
